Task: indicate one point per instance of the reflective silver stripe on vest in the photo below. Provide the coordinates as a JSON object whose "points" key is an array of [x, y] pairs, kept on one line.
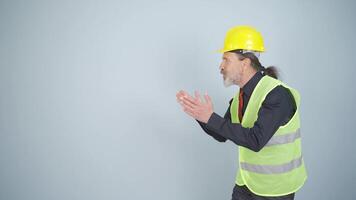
{"points": [[284, 139], [272, 169]]}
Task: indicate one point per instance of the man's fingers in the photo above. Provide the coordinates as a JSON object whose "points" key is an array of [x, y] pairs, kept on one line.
{"points": [[197, 96], [189, 111], [207, 98], [191, 100], [180, 94], [187, 103]]}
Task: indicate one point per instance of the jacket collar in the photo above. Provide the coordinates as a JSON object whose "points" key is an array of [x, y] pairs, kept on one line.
{"points": [[251, 84]]}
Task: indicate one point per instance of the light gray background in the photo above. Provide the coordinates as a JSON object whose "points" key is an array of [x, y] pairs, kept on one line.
{"points": [[88, 108]]}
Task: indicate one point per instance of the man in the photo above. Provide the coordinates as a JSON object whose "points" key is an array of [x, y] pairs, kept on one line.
{"points": [[263, 120]]}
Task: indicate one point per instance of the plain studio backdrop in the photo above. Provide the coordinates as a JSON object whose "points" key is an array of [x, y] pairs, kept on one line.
{"points": [[88, 107]]}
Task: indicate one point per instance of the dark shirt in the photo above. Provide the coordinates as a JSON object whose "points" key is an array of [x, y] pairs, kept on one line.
{"points": [[276, 110]]}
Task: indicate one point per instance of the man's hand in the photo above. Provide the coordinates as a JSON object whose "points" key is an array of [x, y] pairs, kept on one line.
{"points": [[195, 107]]}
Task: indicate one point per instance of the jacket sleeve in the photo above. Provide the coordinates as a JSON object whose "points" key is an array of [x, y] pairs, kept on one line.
{"points": [[275, 111], [212, 133]]}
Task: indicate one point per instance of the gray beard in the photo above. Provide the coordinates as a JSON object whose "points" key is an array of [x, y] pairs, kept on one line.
{"points": [[228, 82]]}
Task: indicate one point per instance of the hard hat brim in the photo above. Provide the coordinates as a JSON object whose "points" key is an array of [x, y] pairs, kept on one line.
{"points": [[226, 50]]}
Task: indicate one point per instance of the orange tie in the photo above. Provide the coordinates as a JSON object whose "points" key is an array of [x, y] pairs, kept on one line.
{"points": [[241, 103]]}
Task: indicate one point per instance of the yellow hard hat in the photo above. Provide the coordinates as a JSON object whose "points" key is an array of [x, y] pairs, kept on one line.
{"points": [[244, 38]]}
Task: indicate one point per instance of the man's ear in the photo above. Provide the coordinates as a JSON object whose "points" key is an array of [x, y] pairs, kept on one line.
{"points": [[246, 63]]}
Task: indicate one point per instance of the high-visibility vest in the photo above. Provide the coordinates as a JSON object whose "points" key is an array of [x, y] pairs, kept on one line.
{"points": [[278, 168]]}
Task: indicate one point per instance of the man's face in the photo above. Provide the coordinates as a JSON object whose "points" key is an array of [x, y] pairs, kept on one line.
{"points": [[231, 69]]}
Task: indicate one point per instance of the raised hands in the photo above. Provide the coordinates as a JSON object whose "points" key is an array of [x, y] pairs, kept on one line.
{"points": [[194, 106]]}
